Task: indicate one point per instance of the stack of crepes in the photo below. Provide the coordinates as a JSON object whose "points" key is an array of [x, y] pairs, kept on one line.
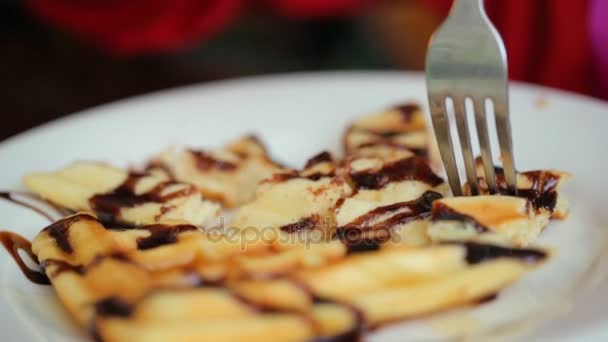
{"points": [[327, 251]]}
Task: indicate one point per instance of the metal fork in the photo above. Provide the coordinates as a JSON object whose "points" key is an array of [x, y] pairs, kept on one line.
{"points": [[467, 59]]}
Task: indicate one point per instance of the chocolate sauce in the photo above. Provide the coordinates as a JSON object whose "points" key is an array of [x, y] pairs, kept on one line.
{"points": [[162, 235], [205, 162], [487, 299], [322, 157], [412, 168], [113, 307], [318, 175], [340, 202], [111, 222], [60, 230], [292, 174], [363, 235], [108, 307], [539, 200], [419, 151], [384, 134], [13, 243], [477, 253], [61, 266], [9, 196], [308, 223], [364, 239], [418, 208], [124, 195], [363, 245], [543, 192], [284, 176], [407, 111], [442, 212]]}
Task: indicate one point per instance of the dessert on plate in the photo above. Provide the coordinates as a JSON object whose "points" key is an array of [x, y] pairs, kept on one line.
{"points": [[328, 251]]}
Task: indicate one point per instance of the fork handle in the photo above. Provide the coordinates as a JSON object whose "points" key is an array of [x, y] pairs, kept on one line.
{"points": [[468, 6]]}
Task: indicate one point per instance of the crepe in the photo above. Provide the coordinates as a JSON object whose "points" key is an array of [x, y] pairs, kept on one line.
{"points": [[120, 196], [228, 176], [323, 252], [112, 284]]}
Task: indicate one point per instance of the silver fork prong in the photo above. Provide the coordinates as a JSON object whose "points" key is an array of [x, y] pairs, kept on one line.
{"points": [[462, 125], [444, 141], [481, 124], [467, 58], [503, 130]]}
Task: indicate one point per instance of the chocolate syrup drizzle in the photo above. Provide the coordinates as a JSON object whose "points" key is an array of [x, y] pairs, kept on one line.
{"points": [[355, 235], [9, 196], [442, 212], [543, 192], [407, 111], [323, 157], [487, 299], [308, 223], [113, 306], [418, 208], [13, 243], [412, 168], [60, 230], [477, 253], [161, 234], [205, 162], [124, 195], [64, 266], [292, 174]]}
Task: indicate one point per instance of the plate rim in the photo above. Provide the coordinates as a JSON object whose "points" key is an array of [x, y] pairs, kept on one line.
{"points": [[245, 81]]}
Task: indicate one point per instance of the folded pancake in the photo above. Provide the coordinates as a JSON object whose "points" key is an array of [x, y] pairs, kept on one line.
{"points": [[502, 219], [398, 131], [358, 200], [120, 196], [229, 175], [295, 206], [514, 220], [388, 285], [540, 187], [389, 195], [321, 253], [98, 276]]}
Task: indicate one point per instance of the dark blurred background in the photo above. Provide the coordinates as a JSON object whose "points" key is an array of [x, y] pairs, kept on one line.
{"points": [[61, 56]]}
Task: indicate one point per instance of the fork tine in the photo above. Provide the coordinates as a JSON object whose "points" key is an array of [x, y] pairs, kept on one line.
{"points": [[444, 141], [465, 143], [484, 144], [503, 130]]}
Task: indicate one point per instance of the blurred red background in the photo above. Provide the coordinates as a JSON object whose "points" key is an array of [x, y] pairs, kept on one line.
{"points": [[60, 56]]}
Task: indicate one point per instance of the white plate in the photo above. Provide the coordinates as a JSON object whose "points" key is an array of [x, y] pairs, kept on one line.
{"points": [[299, 115]]}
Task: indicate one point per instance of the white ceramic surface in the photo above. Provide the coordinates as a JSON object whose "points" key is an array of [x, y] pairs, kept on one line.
{"points": [[298, 115]]}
